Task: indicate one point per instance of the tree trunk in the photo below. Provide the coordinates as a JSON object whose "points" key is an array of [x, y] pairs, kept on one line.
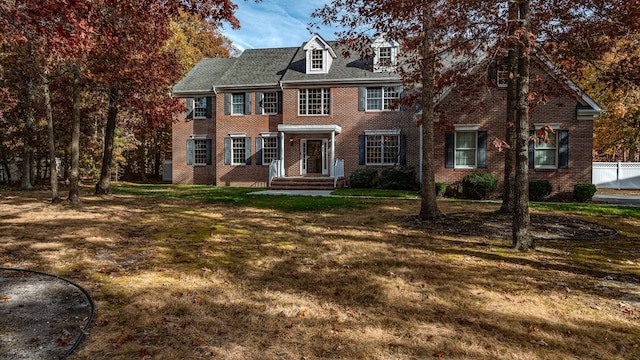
{"points": [[74, 178], [428, 206], [512, 105], [104, 185], [53, 171], [27, 151], [522, 239]]}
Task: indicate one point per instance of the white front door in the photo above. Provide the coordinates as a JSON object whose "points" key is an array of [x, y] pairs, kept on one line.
{"points": [[314, 156]]}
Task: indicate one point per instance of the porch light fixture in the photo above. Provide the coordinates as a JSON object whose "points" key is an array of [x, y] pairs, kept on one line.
{"points": [[291, 141]]}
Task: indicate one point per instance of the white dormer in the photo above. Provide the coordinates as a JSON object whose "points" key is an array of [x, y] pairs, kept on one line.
{"points": [[385, 54], [319, 55]]}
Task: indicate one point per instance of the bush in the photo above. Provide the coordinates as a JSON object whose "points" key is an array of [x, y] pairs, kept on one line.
{"points": [[364, 178], [479, 186], [441, 188], [583, 191], [398, 178], [539, 189]]}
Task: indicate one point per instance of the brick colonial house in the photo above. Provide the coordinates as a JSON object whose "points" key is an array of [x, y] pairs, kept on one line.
{"points": [[286, 114]]}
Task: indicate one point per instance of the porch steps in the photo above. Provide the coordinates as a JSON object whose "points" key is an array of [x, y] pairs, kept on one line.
{"points": [[304, 183]]}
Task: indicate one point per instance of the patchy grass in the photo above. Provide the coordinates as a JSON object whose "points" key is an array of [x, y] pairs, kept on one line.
{"points": [[590, 209], [202, 273], [406, 194]]}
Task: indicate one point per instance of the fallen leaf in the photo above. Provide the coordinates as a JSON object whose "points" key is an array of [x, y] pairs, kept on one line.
{"points": [[63, 341], [439, 354], [4, 298]]}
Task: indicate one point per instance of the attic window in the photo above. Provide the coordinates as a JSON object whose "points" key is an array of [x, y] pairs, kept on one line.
{"points": [[316, 59], [384, 59]]}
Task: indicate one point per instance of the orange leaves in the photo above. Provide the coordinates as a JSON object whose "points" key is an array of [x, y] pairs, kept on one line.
{"points": [[63, 341]]}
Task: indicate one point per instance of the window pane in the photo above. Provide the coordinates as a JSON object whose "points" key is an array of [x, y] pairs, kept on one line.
{"points": [[466, 157], [391, 149], [270, 103], [374, 149], [238, 151], [316, 59], [238, 104], [547, 145], [269, 150], [200, 107], [374, 98], [385, 56], [200, 151], [314, 101], [390, 95], [545, 157], [465, 140]]}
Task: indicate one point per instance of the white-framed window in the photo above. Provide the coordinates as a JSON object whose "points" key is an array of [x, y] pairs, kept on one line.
{"points": [[382, 149], [200, 108], [314, 102], [384, 57], [502, 77], [317, 57], [270, 103], [238, 151], [269, 149], [199, 151], [545, 153], [466, 149], [381, 98], [237, 104]]}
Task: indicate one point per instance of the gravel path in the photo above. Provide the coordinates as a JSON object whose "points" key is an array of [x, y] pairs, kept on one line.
{"points": [[41, 316]]}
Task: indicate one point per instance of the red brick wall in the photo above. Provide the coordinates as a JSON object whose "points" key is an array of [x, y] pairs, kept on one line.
{"points": [[490, 104], [183, 128]]}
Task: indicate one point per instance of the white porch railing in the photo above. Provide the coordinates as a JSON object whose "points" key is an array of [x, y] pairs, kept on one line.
{"points": [[276, 169], [616, 175], [338, 171]]}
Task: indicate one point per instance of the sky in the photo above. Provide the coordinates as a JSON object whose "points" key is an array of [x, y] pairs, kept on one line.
{"points": [[275, 23]]}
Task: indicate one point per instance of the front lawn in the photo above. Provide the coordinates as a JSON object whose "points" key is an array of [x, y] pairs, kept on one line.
{"points": [[196, 272]]}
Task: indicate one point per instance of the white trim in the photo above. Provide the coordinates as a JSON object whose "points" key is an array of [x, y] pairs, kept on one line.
{"points": [[554, 126], [382, 132], [309, 129], [466, 127], [198, 137], [268, 134], [237, 134]]}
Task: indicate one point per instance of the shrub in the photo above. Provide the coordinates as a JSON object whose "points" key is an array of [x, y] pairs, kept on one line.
{"points": [[398, 178], [583, 191], [479, 186], [364, 178], [441, 188], [539, 189]]}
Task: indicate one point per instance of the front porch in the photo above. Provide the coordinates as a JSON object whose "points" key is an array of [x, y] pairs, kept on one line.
{"points": [[309, 162]]}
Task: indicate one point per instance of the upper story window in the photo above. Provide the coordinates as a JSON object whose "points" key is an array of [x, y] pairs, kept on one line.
{"points": [[381, 98], [237, 104], [384, 57], [314, 102], [502, 77], [316, 59], [270, 103], [200, 108]]}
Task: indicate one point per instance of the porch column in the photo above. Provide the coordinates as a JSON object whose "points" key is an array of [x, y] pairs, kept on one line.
{"points": [[332, 169], [282, 149]]}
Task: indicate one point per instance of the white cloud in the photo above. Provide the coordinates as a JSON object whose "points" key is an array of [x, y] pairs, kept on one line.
{"points": [[275, 23]]}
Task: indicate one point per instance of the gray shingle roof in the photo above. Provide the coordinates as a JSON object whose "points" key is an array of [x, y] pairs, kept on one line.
{"points": [[268, 67]]}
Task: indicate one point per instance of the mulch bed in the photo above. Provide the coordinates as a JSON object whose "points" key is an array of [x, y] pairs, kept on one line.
{"points": [[498, 226]]}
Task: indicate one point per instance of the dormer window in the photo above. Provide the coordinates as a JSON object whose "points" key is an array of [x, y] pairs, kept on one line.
{"points": [[316, 59], [384, 58], [385, 54], [319, 55]]}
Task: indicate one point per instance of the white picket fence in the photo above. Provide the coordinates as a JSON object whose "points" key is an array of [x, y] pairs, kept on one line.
{"points": [[616, 175]]}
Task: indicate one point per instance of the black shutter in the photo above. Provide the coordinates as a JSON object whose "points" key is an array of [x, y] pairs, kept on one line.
{"points": [[279, 95], [227, 151], [563, 149], [247, 103], [362, 149], [482, 149], [209, 107], [450, 150], [403, 149], [258, 151], [189, 108], [259, 100], [209, 152], [362, 98], [227, 104], [247, 150], [190, 154], [532, 154]]}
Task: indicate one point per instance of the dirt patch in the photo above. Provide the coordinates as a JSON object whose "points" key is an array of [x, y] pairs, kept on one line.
{"points": [[497, 225], [41, 317]]}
